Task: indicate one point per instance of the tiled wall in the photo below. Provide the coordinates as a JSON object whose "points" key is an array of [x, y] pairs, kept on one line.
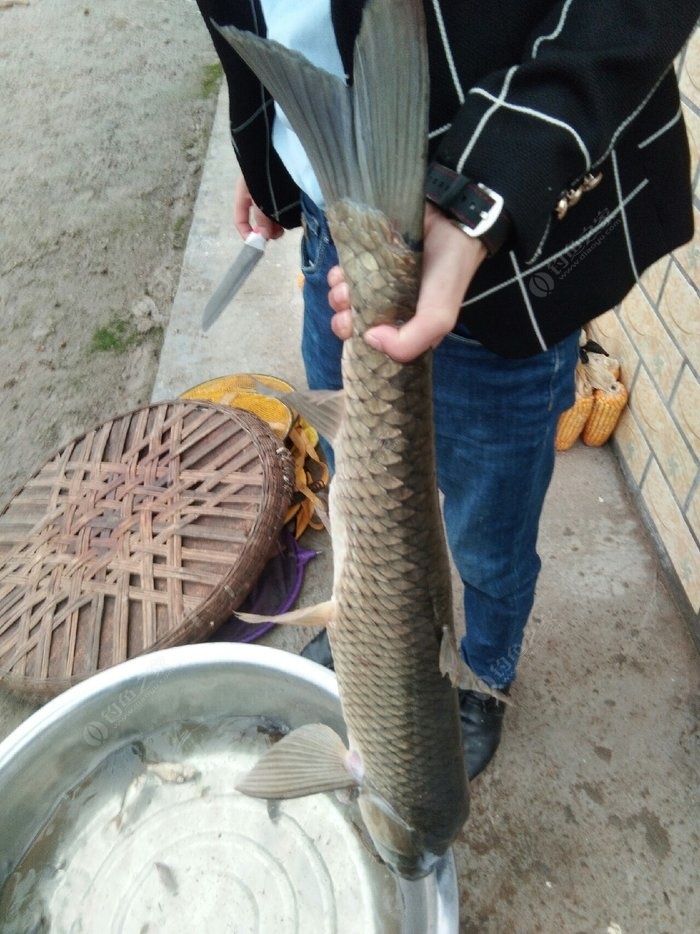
{"points": [[656, 335]]}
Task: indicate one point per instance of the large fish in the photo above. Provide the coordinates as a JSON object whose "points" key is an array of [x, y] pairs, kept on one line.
{"points": [[392, 597]]}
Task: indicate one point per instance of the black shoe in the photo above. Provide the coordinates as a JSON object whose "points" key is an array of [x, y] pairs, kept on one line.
{"points": [[482, 722], [319, 650]]}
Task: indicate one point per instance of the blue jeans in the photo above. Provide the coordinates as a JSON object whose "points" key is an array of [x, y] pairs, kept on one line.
{"points": [[495, 422]]}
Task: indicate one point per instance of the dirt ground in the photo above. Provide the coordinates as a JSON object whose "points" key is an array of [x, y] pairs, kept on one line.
{"points": [[105, 114]]}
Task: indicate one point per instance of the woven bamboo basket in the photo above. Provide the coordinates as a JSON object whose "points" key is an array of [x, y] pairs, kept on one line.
{"points": [[249, 391], [144, 533]]}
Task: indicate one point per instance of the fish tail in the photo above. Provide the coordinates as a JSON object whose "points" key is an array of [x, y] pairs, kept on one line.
{"points": [[367, 142]]}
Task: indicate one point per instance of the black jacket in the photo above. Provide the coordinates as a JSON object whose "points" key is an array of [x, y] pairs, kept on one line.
{"points": [[527, 96]]}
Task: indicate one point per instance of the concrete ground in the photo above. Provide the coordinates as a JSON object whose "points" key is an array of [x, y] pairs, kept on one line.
{"points": [[587, 821]]}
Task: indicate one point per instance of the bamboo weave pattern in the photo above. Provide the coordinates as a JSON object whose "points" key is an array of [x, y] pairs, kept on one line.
{"points": [[144, 533]]}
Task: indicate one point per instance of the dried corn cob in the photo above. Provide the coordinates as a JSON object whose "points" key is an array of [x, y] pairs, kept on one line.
{"points": [[606, 411], [602, 372], [602, 369], [571, 422]]}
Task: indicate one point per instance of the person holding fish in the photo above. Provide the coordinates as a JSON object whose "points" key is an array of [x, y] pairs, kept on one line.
{"points": [[557, 171]]}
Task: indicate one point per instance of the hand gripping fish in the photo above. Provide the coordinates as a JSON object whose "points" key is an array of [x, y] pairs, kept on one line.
{"points": [[392, 597]]}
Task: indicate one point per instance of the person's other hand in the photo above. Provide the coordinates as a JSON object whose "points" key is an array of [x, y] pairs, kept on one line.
{"points": [[245, 210], [450, 260]]}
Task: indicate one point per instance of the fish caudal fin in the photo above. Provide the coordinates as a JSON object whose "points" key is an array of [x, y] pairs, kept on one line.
{"points": [[316, 103], [367, 142], [453, 666], [311, 759], [391, 110]]}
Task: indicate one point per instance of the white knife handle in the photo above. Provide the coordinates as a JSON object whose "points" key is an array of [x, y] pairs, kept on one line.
{"points": [[256, 240]]}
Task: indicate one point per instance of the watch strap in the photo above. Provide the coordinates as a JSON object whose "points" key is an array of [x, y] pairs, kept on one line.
{"points": [[469, 203]]}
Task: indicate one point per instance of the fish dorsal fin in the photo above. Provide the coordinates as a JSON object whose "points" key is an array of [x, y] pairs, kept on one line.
{"points": [[311, 759], [453, 666], [319, 615], [365, 142]]}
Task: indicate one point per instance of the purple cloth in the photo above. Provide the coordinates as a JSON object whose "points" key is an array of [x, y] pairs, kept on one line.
{"points": [[274, 592]]}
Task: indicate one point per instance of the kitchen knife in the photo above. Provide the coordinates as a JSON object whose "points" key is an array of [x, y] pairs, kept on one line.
{"points": [[240, 269]]}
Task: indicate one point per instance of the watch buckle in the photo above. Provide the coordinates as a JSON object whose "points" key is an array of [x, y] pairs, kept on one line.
{"points": [[488, 218]]}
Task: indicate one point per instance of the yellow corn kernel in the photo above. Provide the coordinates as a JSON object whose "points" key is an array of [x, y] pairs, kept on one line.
{"points": [[606, 411], [571, 422]]}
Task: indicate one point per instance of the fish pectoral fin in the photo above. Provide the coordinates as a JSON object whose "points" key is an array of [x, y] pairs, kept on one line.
{"points": [[322, 408], [319, 615], [460, 674], [311, 759]]}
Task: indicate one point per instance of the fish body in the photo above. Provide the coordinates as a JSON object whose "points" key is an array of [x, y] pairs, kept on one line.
{"points": [[392, 588], [172, 772], [167, 877], [131, 797], [134, 801]]}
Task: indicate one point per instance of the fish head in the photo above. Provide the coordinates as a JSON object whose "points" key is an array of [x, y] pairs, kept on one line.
{"points": [[401, 847], [412, 867]]}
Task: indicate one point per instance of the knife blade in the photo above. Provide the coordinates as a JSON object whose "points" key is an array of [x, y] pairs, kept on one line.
{"points": [[246, 261]]}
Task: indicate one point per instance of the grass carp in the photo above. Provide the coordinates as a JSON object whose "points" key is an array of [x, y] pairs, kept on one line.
{"points": [[392, 597]]}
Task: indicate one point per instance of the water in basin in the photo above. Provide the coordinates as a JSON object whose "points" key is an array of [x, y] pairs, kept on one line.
{"points": [[156, 839]]}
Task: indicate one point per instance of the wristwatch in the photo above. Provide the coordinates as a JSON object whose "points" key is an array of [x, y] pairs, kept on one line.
{"points": [[475, 209]]}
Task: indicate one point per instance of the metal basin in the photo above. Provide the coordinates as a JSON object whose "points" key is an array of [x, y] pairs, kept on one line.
{"points": [[175, 853]]}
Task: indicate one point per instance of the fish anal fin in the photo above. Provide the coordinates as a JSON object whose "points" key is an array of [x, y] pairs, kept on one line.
{"points": [[311, 759], [319, 615], [453, 666]]}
